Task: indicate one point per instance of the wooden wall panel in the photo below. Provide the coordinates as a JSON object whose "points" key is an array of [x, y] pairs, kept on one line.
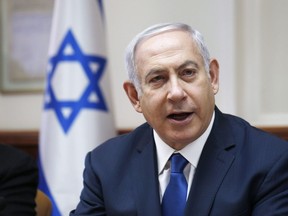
{"points": [[24, 140], [28, 140]]}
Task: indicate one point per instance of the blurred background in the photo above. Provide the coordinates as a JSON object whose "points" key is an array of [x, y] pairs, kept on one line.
{"points": [[248, 37]]}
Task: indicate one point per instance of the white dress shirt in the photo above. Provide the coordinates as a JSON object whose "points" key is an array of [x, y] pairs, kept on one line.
{"points": [[191, 152]]}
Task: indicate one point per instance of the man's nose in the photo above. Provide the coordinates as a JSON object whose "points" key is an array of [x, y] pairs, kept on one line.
{"points": [[176, 92]]}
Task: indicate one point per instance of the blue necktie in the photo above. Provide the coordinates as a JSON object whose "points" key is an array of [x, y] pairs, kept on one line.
{"points": [[174, 199]]}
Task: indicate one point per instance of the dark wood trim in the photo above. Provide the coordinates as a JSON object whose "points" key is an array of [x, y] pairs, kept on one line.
{"points": [[28, 140], [24, 140], [124, 131], [278, 131]]}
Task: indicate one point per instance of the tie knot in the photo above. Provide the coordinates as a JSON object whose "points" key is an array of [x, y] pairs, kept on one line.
{"points": [[178, 163]]}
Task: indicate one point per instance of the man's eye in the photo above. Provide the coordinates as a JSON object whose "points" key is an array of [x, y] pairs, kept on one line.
{"points": [[188, 72], [156, 79]]}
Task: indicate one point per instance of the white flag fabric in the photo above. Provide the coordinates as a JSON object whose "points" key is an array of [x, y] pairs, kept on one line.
{"points": [[77, 113]]}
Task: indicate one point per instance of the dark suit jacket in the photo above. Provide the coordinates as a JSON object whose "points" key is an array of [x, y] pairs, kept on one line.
{"points": [[241, 171], [18, 182]]}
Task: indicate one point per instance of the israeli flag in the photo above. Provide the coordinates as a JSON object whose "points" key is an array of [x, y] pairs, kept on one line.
{"points": [[77, 112]]}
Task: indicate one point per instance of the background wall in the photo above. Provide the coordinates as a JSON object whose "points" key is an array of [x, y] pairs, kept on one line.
{"points": [[229, 30], [261, 61]]}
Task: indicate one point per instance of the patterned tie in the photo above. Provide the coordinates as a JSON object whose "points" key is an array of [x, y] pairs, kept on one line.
{"points": [[174, 199]]}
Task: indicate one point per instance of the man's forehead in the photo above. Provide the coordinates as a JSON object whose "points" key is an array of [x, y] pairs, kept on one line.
{"points": [[159, 36], [165, 40]]}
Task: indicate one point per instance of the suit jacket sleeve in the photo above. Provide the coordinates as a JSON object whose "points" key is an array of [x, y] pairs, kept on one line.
{"points": [[18, 182], [91, 199], [116, 178]]}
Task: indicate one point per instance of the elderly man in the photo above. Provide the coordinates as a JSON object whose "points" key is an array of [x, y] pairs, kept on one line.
{"points": [[189, 158]]}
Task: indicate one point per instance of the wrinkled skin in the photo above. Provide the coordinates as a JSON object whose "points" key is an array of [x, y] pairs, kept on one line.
{"points": [[177, 94]]}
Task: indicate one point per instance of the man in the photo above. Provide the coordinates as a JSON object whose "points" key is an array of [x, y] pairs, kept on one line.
{"points": [[18, 182], [233, 168]]}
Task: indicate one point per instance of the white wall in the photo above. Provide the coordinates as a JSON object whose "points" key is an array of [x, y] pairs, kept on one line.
{"points": [[213, 18], [218, 20], [261, 64]]}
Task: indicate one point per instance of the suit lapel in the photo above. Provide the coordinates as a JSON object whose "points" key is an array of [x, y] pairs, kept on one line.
{"points": [[144, 176], [214, 163]]}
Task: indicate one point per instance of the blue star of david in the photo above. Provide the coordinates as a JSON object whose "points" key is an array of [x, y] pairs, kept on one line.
{"points": [[92, 87]]}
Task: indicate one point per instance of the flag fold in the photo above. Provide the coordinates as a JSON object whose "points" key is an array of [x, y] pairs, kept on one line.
{"points": [[77, 113]]}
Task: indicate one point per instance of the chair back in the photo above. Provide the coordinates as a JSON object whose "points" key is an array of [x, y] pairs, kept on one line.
{"points": [[43, 204]]}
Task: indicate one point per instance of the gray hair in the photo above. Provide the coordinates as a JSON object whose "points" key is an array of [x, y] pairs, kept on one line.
{"points": [[131, 66]]}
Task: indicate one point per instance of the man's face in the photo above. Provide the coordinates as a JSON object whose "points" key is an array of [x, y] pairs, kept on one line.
{"points": [[177, 97]]}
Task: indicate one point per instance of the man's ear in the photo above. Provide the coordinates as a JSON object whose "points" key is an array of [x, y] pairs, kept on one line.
{"points": [[214, 75], [132, 95]]}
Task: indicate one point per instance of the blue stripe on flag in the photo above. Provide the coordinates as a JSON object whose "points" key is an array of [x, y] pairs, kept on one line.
{"points": [[45, 189], [101, 8]]}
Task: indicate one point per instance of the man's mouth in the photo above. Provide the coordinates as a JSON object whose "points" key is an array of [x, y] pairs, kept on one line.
{"points": [[179, 116]]}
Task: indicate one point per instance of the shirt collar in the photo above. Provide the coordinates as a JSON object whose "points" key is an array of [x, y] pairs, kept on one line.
{"points": [[191, 152]]}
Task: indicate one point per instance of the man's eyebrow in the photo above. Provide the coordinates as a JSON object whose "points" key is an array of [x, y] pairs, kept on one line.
{"points": [[188, 63], [184, 65], [154, 70]]}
